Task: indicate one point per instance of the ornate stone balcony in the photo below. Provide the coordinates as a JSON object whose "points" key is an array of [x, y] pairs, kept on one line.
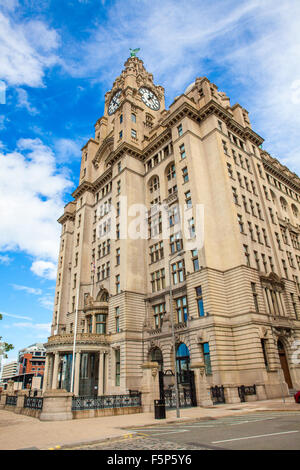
{"points": [[81, 338]]}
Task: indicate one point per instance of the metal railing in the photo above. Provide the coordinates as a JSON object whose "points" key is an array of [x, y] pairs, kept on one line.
{"points": [[217, 394], [248, 390], [11, 400], [106, 401], [35, 403]]}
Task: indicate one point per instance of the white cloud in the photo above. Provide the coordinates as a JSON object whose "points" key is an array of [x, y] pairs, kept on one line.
{"points": [[5, 259], [26, 50], [47, 302], [12, 315], [40, 327], [67, 150], [31, 200], [29, 290], [45, 269], [23, 101]]}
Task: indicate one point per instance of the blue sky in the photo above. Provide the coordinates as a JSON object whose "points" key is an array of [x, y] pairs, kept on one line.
{"points": [[57, 60]]}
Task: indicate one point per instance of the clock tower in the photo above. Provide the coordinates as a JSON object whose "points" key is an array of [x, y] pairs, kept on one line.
{"points": [[134, 104]]}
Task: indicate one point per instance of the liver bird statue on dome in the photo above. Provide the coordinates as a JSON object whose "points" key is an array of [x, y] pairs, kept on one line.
{"points": [[133, 52]]}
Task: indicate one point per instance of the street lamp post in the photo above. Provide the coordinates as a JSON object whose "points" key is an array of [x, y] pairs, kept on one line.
{"points": [[173, 333]]}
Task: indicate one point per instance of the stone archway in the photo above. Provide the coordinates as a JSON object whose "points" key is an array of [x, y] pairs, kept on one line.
{"points": [[284, 363]]}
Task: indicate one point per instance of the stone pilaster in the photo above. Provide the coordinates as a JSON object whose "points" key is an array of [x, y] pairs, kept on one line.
{"points": [[57, 406], [201, 385], [149, 385]]}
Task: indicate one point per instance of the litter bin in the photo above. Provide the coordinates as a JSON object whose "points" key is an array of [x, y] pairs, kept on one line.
{"points": [[159, 409]]}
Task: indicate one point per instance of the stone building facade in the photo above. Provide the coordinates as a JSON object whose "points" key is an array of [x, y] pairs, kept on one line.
{"points": [[234, 288]]}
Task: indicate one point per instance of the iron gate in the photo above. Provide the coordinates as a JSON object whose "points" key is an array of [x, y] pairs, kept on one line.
{"points": [[186, 389], [217, 395]]}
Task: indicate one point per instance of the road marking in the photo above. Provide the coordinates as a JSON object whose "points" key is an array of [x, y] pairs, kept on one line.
{"points": [[254, 437], [170, 432]]}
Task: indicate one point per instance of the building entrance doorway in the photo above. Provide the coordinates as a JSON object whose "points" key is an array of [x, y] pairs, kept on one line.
{"points": [[88, 378], [284, 364]]}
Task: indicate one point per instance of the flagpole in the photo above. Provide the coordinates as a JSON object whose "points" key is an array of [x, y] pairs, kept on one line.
{"points": [[74, 342]]}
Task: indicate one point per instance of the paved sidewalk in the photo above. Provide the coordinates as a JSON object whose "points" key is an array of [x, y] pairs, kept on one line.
{"points": [[23, 432]]}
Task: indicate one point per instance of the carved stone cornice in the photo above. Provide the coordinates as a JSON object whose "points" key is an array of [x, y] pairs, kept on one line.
{"points": [[273, 279], [274, 167], [103, 179], [68, 214], [124, 148], [157, 142], [82, 188]]}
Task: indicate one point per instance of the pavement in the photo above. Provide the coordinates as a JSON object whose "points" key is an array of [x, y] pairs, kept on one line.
{"points": [[18, 432]]}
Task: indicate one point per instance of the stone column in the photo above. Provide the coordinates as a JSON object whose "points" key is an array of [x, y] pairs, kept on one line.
{"points": [[231, 393], [77, 373], [101, 374], [20, 401], [261, 391], [57, 406], [55, 371], [46, 372], [93, 323], [149, 385], [3, 399], [201, 385]]}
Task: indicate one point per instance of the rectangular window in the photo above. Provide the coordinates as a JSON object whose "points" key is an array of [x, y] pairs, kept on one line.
{"points": [[158, 314], [254, 293], [264, 350], [121, 118], [118, 361], [179, 129], [120, 134], [199, 298], [156, 252], [188, 199], [176, 242], [101, 324], [117, 317], [182, 152], [181, 309], [185, 174], [133, 117], [195, 260], [118, 251], [241, 224], [158, 280], [133, 133], [206, 358], [178, 272], [118, 287]]}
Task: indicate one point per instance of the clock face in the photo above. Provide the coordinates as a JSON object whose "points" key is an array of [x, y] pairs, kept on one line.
{"points": [[114, 102], [149, 98]]}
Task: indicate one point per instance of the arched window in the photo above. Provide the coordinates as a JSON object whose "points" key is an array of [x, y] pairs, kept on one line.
{"points": [[283, 204], [156, 356], [295, 210], [273, 196], [102, 296], [154, 184]]}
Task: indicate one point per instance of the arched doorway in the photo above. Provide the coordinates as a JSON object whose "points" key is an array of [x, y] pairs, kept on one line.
{"points": [[284, 363], [182, 363]]}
